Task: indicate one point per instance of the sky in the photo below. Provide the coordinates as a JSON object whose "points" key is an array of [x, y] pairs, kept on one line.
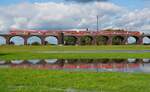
{"points": [[74, 14], [132, 15]]}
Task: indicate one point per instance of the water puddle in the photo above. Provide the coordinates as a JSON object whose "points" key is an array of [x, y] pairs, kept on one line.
{"points": [[87, 65]]}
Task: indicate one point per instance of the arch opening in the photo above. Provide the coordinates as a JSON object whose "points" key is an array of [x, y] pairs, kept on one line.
{"points": [[34, 40], [132, 40], [146, 40], [117, 40], [2, 40], [70, 40], [51, 40], [86, 40], [102, 40], [16, 40]]}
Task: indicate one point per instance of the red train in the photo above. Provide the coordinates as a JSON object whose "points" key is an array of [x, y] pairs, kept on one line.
{"points": [[72, 32]]}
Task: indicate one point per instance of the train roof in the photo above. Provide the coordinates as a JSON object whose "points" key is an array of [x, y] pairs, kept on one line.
{"points": [[107, 30]]}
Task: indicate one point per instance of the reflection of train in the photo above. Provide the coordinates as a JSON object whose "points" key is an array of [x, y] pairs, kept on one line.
{"points": [[77, 66], [72, 32]]}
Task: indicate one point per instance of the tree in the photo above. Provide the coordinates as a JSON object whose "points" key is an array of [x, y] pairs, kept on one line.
{"points": [[70, 40], [117, 40], [86, 40], [35, 43], [47, 43], [102, 40]]}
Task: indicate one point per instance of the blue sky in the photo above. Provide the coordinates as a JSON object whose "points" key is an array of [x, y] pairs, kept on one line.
{"points": [[132, 4]]}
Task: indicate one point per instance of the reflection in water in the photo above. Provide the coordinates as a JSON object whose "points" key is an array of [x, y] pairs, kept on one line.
{"points": [[2, 62], [33, 61], [16, 61], [95, 65], [131, 60], [146, 60], [50, 61]]}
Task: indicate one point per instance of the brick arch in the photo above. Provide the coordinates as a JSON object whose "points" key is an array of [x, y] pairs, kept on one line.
{"points": [[70, 40], [32, 39], [86, 40], [117, 40], [17, 39], [146, 40], [3, 40], [49, 41], [102, 40], [134, 38]]}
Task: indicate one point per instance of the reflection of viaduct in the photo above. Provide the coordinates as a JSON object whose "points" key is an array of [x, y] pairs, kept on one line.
{"points": [[77, 64], [107, 37]]}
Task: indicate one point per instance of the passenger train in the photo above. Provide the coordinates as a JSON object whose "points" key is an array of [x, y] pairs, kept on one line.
{"points": [[72, 32]]}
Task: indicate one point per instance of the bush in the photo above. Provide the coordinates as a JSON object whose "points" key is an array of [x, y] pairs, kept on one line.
{"points": [[35, 43]]}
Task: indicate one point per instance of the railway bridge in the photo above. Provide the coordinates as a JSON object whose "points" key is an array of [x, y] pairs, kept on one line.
{"points": [[105, 37]]}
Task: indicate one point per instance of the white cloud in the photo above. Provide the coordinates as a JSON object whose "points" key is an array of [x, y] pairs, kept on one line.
{"points": [[52, 15]]}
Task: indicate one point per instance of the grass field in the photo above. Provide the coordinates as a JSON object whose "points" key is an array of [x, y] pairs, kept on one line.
{"points": [[28, 80], [11, 48], [30, 52], [32, 80]]}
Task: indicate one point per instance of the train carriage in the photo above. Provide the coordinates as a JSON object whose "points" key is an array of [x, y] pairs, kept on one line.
{"points": [[72, 32]]}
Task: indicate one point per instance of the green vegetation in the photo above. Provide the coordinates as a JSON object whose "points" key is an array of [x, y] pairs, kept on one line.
{"points": [[117, 40], [29, 80], [35, 43], [70, 40], [26, 55], [44, 52], [86, 40], [102, 40]]}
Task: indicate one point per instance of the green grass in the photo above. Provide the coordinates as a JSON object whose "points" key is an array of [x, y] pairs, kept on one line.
{"points": [[70, 48], [19, 56], [30, 52], [29, 80]]}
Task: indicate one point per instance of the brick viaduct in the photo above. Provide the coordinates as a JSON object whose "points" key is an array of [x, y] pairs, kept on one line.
{"points": [[60, 35]]}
